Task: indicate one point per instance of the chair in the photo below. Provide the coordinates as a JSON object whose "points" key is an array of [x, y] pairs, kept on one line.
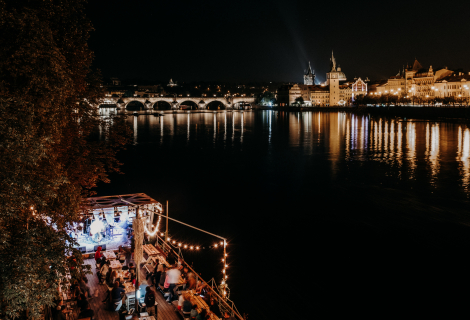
{"points": [[130, 301], [186, 315]]}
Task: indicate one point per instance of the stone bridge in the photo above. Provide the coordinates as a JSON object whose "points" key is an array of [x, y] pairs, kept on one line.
{"points": [[176, 103]]}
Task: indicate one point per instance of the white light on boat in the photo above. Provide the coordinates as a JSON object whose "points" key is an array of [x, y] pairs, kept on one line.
{"points": [[96, 226]]}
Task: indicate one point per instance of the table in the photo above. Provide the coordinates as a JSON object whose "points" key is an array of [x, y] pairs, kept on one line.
{"points": [[115, 264], [201, 304], [109, 255], [129, 288], [150, 249]]}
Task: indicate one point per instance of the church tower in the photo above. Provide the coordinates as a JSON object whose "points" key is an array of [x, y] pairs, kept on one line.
{"points": [[309, 76], [332, 79]]}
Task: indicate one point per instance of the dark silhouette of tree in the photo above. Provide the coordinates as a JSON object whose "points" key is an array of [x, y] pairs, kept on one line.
{"points": [[48, 159], [299, 101]]}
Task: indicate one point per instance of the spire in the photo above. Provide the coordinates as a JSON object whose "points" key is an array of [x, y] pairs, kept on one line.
{"points": [[309, 70], [417, 65], [332, 62]]}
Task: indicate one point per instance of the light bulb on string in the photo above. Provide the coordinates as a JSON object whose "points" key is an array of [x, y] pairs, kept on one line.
{"points": [[185, 246], [191, 247]]}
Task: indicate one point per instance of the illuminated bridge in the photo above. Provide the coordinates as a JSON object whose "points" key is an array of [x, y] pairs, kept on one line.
{"points": [[179, 103]]}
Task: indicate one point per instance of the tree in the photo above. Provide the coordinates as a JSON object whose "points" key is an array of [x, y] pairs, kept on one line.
{"points": [[299, 101], [48, 158]]}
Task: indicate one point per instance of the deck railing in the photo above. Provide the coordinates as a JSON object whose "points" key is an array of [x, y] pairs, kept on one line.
{"points": [[225, 304]]}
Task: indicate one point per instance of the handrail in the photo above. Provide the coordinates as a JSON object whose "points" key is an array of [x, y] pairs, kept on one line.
{"points": [[220, 298]]}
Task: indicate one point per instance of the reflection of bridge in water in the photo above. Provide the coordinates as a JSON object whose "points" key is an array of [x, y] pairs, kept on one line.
{"points": [[178, 103]]}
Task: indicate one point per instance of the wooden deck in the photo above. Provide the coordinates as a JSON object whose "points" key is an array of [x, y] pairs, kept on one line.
{"points": [[164, 310]]}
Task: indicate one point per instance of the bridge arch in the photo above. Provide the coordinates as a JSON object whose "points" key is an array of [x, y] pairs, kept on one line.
{"points": [[162, 105], [216, 105], [188, 105], [135, 105]]}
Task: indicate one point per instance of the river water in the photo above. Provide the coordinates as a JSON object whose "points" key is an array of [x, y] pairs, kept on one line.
{"points": [[319, 209]]}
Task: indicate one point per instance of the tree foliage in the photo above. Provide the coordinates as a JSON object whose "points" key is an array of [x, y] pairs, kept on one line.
{"points": [[49, 159]]}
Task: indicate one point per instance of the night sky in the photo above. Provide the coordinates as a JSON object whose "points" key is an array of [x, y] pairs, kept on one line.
{"points": [[240, 41]]}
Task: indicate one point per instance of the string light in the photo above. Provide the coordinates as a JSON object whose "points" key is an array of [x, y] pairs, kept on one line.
{"points": [[216, 245], [151, 234]]}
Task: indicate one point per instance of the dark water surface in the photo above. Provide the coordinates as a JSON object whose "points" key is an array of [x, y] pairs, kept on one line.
{"points": [[321, 210]]}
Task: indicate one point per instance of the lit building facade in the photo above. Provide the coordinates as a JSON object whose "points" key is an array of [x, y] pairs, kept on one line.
{"points": [[336, 91], [415, 82], [309, 76]]}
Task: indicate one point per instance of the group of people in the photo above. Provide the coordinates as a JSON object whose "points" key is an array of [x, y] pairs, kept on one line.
{"points": [[111, 278], [175, 283], [80, 294]]}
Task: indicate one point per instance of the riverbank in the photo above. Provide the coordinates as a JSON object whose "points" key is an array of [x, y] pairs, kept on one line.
{"points": [[412, 112]]}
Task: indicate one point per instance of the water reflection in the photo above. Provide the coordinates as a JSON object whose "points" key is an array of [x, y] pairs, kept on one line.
{"points": [[412, 150], [463, 154]]}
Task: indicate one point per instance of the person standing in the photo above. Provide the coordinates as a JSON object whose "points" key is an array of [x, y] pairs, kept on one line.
{"points": [[150, 301], [98, 254], [173, 278]]}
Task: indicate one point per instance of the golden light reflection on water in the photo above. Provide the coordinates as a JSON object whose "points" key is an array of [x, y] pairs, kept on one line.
{"points": [[416, 150], [463, 155]]}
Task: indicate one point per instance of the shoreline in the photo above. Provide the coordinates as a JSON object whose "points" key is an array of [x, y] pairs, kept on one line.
{"points": [[434, 113]]}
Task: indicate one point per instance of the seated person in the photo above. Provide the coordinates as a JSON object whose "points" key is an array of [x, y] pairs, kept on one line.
{"points": [[187, 305], [84, 287], [228, 316], [179, 303], [202, 315], [214, 308], [115, 294], [121, 283], [121, 255], [87, 312], [103, 271], [111, 277]]}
